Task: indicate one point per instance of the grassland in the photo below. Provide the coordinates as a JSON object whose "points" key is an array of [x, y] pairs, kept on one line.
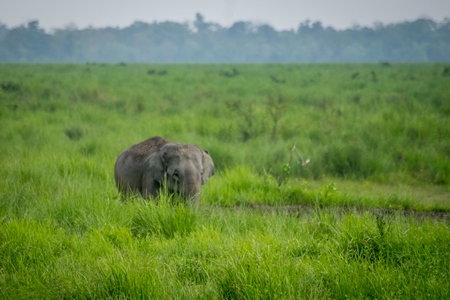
{"points": [[367, 217]]}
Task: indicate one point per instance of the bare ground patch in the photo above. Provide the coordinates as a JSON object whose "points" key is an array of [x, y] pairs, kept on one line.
{"points": [[303, 209]]}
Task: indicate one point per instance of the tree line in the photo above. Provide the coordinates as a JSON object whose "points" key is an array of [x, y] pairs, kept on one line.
{"points": [[422, 40]]}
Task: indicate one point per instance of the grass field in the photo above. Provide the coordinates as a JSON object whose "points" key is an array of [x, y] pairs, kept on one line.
{"points": [[359, 208]]}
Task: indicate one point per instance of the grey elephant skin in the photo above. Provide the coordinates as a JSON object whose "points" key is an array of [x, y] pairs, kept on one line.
{"points": [[146, 166]]}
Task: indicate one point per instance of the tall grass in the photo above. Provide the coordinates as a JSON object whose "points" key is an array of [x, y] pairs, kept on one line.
{"points": [[269, 225], [228, 254], [354, 121]]}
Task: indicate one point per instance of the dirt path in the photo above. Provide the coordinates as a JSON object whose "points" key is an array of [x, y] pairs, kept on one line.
{"points": [[301, 209]]}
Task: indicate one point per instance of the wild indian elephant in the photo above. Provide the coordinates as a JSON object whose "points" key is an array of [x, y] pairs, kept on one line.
{"points": [[146, 166]]}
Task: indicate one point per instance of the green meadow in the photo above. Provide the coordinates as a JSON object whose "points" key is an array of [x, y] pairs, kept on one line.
{"points": [[332, 181]]}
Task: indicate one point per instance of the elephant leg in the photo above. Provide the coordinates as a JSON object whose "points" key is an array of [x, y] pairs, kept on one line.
{"points": [[150, 188]]}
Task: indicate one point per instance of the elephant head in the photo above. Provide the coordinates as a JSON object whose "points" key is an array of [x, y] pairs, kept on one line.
{"points": [[147, 166], [183, 168]]}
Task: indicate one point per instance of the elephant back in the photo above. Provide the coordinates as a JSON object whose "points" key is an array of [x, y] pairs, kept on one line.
{"points": [[143, 150]]}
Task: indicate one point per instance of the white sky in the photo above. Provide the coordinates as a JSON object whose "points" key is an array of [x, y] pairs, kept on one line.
{"points": [[281, 14]]}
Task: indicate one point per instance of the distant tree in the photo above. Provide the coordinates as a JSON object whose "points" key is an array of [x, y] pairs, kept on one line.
{"points": [[26, 43], [239, 29], [200, 23], [422, 40]]}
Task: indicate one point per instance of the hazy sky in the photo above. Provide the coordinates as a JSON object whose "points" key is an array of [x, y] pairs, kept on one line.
{"points": [[281, 14]]}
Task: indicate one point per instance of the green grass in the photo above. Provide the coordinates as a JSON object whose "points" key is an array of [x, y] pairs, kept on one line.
{"points": [[218, 253], [383, 127], [367, 217]]}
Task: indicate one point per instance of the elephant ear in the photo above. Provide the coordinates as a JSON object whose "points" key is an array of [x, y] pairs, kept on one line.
{"points": [[153, 175], [208, 166]]}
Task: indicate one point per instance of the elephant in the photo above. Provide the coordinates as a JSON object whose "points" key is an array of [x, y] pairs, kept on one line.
{"points": [[145, 167]]}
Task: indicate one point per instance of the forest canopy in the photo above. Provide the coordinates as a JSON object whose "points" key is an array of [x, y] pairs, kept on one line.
{"points": [[422, 40]]}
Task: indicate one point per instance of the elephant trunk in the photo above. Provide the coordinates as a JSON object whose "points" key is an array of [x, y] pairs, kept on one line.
{"points": [[190, 184], [190, 188]]}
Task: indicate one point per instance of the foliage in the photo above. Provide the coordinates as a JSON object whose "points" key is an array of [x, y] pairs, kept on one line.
{"points": [[394, 128], [352, 223], [422, 40], [227, 255]]}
